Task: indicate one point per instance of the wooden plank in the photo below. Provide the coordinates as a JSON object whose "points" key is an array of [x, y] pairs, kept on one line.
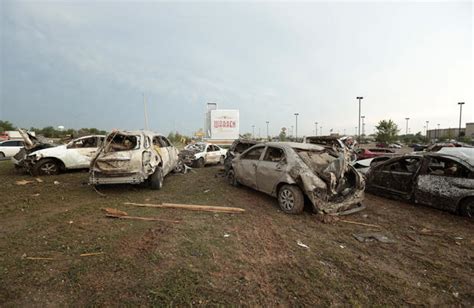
{"points": [[192, 207], [142, 218], [359, 223]]}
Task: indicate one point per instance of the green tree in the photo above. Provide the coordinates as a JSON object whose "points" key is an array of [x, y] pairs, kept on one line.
{"points": [[6, 125], [282, 135], [386, 131]]}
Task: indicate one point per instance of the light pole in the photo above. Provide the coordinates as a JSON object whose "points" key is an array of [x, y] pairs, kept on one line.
{"points": [[321, 130], [292, 131], [427, 138], [460, 116], [406, 132], [355, 128], [259, 136], [437, 133], [359, 98], [296, 126], [253, 131], [316, 128], [268, 136]]}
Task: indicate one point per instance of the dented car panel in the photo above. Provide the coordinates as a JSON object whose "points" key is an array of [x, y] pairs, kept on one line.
{"points": [[133, 157], [438, 180], [327, 179]]}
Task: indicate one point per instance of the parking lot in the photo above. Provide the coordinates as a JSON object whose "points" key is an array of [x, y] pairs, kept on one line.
{"points": [[251, 258]]}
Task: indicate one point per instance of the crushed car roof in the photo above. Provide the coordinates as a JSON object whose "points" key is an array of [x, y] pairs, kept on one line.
{"points": [[296, 145]]}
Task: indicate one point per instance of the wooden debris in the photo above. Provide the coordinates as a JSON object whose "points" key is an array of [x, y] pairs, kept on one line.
{"points": [[38, 258], [142, 218], [359, 223], [192, 207], [23, 182], [116, 212], [90, 254], [39, 180]]}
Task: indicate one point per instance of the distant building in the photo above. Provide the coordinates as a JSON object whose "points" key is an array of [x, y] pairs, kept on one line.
{"points": [[450, 133]]}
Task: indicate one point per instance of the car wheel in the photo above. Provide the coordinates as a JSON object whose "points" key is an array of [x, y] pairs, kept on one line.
{"points": [[222, 160], [179, 167], [156, 179], [232, 179], [2, 155], [291, 199], [46, 167], [200, 163], [467, 208]]}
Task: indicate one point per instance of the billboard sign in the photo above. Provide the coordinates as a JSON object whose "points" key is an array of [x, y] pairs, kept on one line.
{"points": [[224, 124]]}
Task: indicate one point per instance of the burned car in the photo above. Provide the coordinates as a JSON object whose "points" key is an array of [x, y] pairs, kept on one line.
{"points": [[133, 157], [443, 181], [290, 171], [40, 158], [202, 153], [237, 147]]}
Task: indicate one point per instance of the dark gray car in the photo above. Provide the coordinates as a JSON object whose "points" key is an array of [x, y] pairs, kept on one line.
{"points": [[289, 171], [439, 180]]}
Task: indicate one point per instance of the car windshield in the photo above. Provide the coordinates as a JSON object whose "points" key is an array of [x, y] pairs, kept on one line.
{"points": [[120, 142]]}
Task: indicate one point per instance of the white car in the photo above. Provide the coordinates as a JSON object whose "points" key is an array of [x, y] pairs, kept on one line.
{"points": [[10, 148], [77, 154], [133, 157], [206, 153], [394, 146]]}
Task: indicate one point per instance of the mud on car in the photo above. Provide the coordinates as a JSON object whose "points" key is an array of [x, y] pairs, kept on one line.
{"points": [[290, 171], [133, 157]]}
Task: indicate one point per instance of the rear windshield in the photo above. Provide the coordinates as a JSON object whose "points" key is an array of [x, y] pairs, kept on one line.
{"points": [[118, 142]]}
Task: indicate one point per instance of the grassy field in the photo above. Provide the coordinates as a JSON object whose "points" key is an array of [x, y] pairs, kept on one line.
{"points": [[194, 262]]}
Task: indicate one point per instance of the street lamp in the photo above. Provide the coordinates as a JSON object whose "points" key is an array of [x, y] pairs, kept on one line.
{"points": [[292, 131], [427, 138], [321, 130], [406, 132], [363, 125], [268, 135], [253, 131], [316, 128], [437, 133], [460, 115], [359, 98], [296, 127]]}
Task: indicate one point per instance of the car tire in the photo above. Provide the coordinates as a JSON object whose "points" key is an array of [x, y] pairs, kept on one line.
{"points": [[291, 199], [2, 155], [156, 179], [466, 208], [200, 163], [46, 167], [232, 179]]}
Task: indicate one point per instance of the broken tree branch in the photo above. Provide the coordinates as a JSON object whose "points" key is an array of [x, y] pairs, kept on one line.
{"points": [[359, 223], [192, 207], [141, 218]]}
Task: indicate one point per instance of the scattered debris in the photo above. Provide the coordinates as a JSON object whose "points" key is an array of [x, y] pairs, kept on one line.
{"points": [[98, 192], [458, 238], [56, 183], [23, 182], [206, 191], [360, 223], [112, 211], [299, 243], [192, 207], [35, 195], [141, 218], [369, 237], [342, 246], [90, 254], [456, 294], [226, 235], [39, 180], [38, 258], [71, 222], [326, 219]]}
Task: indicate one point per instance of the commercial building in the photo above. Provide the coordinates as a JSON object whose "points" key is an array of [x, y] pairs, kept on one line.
{"points": [[450, 133], [222, 125]]}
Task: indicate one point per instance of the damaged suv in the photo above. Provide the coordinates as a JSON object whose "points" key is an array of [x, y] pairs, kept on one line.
{"points": [[290, 171], [133, 157]]}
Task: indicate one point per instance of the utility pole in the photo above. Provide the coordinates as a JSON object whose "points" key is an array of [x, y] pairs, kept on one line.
{"points": [[296, 126], [460, 116], [406, 132], [268, 135], [437, 133], [363, 125], [316, 128], [321, 130], [253, 131], [144, 110], [427, 138], [359, 98]]}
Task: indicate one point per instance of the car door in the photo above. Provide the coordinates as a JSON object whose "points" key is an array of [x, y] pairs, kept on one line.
{"points": [[443, 182], [172, 153], [210, 156], [246, 166], [396, 176], [161, 147], [10, 148], [271, 169], [79, 153]]}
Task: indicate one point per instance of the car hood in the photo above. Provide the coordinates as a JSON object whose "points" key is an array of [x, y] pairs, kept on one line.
{"points": [[54, 151]]}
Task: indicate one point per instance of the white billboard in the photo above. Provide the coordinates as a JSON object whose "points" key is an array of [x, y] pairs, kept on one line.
{"points": [[224, 124]]}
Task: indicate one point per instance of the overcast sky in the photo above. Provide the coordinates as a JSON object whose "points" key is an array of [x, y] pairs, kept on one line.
{"points": [[84, 64]]}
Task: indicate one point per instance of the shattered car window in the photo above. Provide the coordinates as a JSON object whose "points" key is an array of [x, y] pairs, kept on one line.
{"points": [[253, 154], [409, 165], [84, 143], [274, 155], [120, 142], [446, 167]]}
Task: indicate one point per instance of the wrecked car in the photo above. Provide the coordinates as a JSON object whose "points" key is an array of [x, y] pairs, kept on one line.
{"points": [[237, 147], [40, 158], [290, 171], [201, 153], [343, 144], [133, 157], [370, 153], [443, 181]]}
